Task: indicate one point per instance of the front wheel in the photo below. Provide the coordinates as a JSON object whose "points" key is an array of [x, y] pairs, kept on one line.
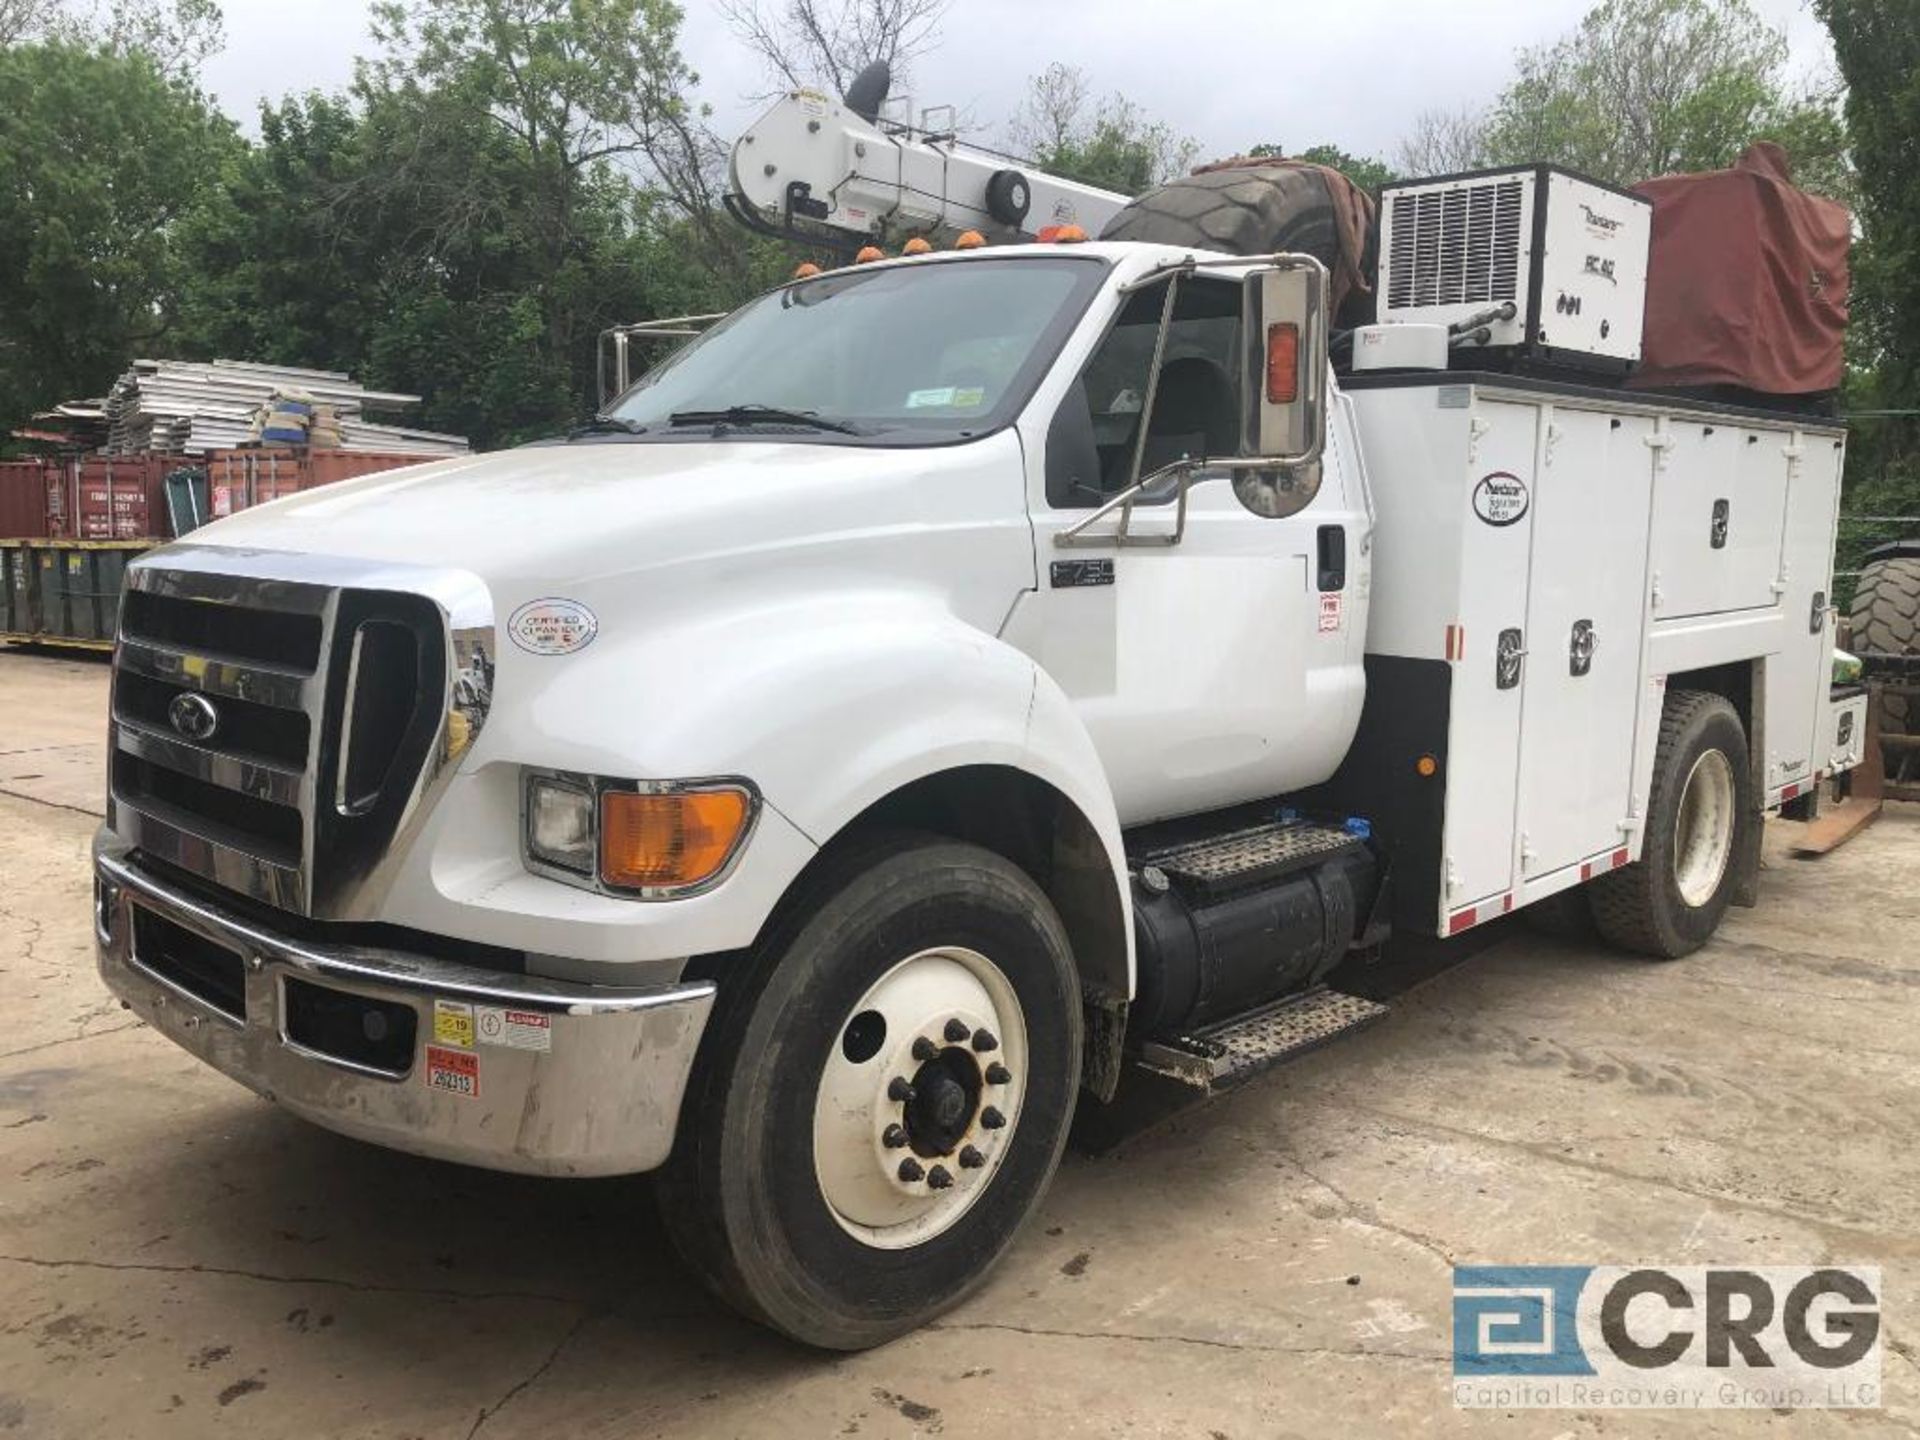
{"points": [[883, 1094], [1667, 903]]}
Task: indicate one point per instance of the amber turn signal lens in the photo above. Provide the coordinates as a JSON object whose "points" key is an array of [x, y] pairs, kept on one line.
{"points": [[1426, 767], [970, 240], [868, 254], [805, 270], [669, 841], [918, 245], [1283, 364]]}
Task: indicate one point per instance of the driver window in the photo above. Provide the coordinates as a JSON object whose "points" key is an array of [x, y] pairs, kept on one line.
{"points": [[1197, 407]]}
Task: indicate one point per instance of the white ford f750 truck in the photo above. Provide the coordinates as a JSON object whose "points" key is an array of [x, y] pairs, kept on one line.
{"points": [[944, 683]]}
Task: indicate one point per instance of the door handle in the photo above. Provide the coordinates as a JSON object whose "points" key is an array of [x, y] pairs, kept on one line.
{"points": [[1580, 647], [1507, 655], [1332, 547]]}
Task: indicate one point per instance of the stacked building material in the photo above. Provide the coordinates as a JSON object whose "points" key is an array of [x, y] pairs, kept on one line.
{"points": [[188, 408]]}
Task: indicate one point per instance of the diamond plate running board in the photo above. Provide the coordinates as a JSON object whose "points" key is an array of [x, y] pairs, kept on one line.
{"points": [[1220, 865], [1225, 1055]]}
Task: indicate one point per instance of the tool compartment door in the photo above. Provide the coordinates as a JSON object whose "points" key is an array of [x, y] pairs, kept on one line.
{"points": [[1484, 732], [1586, 619], [1719, 497], [1799, 677]]}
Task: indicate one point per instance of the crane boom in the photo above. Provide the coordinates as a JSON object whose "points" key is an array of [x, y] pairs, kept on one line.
{"points": [[814, 168]]}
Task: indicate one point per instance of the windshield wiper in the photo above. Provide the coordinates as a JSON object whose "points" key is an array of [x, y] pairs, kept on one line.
{"points": [[760, 414], [607, 425]]}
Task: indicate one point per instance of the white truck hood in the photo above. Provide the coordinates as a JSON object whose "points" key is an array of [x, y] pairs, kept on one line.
{"points": [[589, 509]]}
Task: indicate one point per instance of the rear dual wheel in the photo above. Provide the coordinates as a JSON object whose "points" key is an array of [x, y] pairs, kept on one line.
{"points": [[1699, 813], [882, 1096]]}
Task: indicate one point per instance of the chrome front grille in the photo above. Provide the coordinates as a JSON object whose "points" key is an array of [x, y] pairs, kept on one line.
{"points": [[280, 722]]}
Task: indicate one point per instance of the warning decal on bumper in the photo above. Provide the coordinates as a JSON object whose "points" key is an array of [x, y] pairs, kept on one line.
{"points": [[455, 1071], [516, 1029]]}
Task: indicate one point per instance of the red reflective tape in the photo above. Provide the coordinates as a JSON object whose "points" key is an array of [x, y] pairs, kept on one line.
{"points": [[1790, 791], [1462, 920], [1586, 870], [1506, 904], [1619, 857], [1456, 643]]}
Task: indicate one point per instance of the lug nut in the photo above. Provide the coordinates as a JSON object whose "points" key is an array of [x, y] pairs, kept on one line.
{"points": [[983, 1041], [970, 1158], [924, 1049], [956, 1031], [894, 1136], [899, 1091], [998, 1074], [938, 1178], [992, 1119], [910, 1170]]}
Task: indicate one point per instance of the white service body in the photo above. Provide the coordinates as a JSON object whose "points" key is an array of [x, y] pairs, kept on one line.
{"points": [[1506, 507]]}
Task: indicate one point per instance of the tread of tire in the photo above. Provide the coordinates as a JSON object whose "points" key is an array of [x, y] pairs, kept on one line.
{"points": [[1886, 618], [1621, 905]]}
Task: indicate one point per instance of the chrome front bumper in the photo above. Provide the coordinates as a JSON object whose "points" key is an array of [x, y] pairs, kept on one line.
{"points": [[576, 1080]]}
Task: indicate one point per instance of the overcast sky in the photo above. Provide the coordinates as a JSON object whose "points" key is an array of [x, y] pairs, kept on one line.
{"points": [[1230, 73]]}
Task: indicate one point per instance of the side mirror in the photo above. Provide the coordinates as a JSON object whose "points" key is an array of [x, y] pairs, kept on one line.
{"points": [[1286, 330]]}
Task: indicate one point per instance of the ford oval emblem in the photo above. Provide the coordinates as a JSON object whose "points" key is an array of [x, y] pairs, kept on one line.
{"points": [[193, 715], [553, 627]]}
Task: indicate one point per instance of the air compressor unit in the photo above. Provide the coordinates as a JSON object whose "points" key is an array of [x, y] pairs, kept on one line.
{"points": [[1533, 264]]}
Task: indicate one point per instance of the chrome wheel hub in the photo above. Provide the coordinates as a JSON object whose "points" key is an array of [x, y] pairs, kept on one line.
{"points": [[1703, 832], [920, 1097]]}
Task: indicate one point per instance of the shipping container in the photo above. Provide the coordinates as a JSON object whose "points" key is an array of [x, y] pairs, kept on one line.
{"points": [[23, 499], [240, 479], [119, 497]]}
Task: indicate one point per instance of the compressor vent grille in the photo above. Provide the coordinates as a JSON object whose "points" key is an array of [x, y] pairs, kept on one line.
{"points": [[1454, 246]]}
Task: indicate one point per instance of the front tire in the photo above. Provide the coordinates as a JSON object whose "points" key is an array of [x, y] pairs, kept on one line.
{"points": [[883, 1094], [1670, 901]]}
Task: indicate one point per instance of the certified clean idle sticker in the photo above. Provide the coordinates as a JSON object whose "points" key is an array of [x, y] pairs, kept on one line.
{"points": [[1500, 499], [553, 626]]}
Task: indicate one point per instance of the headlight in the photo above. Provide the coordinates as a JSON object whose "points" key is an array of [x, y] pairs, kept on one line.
{"points": [[650, 839], [560, 824]]}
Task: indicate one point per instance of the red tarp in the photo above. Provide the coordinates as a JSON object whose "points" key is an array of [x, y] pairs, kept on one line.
{"points": [[1747, 281]]}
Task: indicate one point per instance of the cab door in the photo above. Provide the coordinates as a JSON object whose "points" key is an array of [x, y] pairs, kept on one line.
{"points": [[1224, 667]]}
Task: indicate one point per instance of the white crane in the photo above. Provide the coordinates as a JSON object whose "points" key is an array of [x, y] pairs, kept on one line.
{"points": [[837, 172]]}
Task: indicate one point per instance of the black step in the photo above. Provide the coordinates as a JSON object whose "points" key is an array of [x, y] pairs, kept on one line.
{"points": [[1221, 865], [1222, 1056]]}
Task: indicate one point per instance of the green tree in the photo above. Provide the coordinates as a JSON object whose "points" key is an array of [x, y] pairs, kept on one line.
{"points": [[1365, 171], [1877, 45], [1647, 87], [176, 34], [1112, 143], [104, 163]]}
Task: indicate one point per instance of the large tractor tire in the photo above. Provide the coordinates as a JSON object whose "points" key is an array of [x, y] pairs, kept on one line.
{"points": [[1671, 900], [1255, 210], [882, 1094], [1886, 621]]}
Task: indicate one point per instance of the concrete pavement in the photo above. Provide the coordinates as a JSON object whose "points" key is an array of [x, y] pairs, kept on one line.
{"points": [[179, 1258]]}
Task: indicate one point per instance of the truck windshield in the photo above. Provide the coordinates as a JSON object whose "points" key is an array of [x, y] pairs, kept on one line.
{"points": [[911, 354]]}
